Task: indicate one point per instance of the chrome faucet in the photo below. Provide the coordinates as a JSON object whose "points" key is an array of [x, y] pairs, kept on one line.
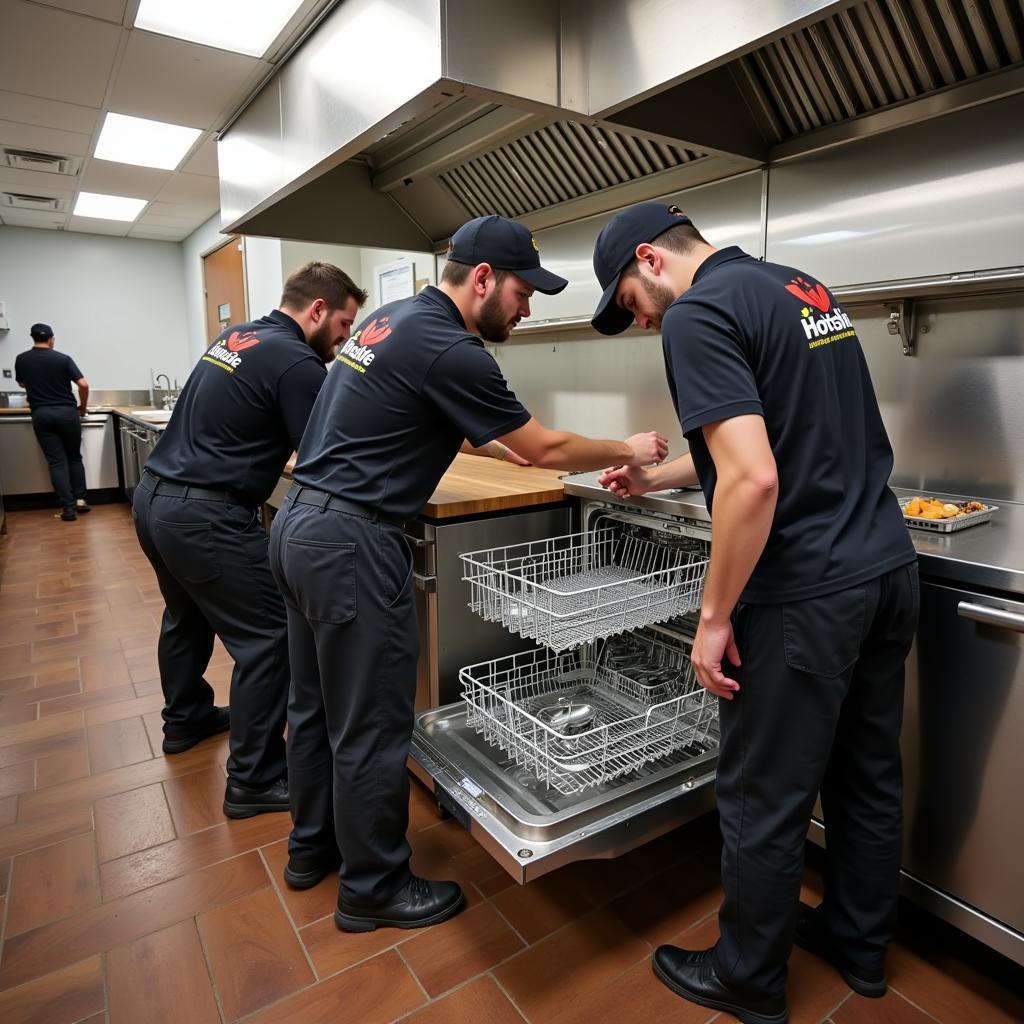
{"points": [[168, 401]]}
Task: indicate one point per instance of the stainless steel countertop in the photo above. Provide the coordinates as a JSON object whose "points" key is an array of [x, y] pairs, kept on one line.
{"points": [[988, 555]]}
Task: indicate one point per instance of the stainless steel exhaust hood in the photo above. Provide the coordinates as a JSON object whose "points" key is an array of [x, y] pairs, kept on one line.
{"points": [[397, 120]]}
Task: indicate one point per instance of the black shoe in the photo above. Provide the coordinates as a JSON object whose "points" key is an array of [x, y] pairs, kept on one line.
{"points": [[812, 935], [243, 802], [417, 904], [305, 872], [81, 505], [178, 743], [69, 515], [691, 974]]}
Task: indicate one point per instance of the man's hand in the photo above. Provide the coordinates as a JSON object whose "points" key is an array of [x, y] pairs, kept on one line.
{"points": [[626, 480], [647, 448], [712, 642]]}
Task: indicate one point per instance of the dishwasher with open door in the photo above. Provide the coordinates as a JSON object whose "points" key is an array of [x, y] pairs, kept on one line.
{"points": [[597, 738]]}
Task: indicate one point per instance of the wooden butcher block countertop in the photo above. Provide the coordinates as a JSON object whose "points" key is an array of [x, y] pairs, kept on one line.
{"points": [[474, 485]]}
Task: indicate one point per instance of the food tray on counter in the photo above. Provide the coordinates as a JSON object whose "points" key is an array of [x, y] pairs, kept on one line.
{"points": [[575, 589], [574, 722], [952, 525]]}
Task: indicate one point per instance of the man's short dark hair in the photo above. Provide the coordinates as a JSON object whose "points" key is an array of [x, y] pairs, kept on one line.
{"points": [[455, 273], [317, 280], [680, 239]]}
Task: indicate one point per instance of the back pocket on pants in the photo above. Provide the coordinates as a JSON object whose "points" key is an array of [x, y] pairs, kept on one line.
{"points": [[823, 635], [321, 579], [188, 549]]}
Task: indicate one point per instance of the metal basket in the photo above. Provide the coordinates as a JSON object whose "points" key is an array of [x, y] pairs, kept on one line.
{"points": [[572, 590], [509, 701], [947, 525]]}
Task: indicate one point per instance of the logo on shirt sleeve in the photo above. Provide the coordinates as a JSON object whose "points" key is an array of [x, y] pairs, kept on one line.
{"points": [[823, 321]]}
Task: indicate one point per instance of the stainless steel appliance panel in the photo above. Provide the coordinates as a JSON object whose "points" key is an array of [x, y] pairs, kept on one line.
{"points": [[99, 452], [24, 466], [907, 203], [963, 755], [451, 636]]}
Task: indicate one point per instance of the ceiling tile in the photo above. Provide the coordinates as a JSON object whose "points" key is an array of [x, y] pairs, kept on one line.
{"points": [[95, 226], [194, 189], [204, 160], [69, 117], [79, 53], [108, 10], [36, 183], [116, 179], [161, 234], [32, 219], [170, 80], [159, 220], [47, 140]]}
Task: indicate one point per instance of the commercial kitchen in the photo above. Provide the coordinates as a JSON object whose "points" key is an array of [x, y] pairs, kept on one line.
{"points": [[873, 143]]}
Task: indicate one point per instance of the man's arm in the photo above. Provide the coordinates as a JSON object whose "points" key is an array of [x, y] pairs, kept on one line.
{"points": [[628, 480], [83, 395], [741, 519], [494, 450], [560, 449]]}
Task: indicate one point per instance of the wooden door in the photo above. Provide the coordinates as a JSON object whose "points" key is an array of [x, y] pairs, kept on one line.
{"points": [[224, 288]]}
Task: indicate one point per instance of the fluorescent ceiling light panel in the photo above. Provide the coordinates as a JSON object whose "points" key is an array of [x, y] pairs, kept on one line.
{"points": [[93, 204], [136, 140], [241, 26]]}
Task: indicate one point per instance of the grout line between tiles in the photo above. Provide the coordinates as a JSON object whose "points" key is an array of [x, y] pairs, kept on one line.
{"points": [[507, 995], [209, 968], [287, 913], [415, 976], [917, 1006]]}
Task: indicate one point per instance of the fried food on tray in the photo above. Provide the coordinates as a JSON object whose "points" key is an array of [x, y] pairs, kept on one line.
{"points": [[932, 508]]}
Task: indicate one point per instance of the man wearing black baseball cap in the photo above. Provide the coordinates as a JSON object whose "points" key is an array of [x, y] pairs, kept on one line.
{"points": [[47, 376], [412, 386], [812, 583]]}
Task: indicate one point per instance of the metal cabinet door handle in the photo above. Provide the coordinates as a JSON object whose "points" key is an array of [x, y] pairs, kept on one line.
{"points": [[428, 584], [417, 542], [991, 616]]}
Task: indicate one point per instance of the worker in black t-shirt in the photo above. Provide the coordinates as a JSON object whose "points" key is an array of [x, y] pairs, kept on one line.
{"points": [[47, 376], [810, 602], [412, 386], [239, 417]]}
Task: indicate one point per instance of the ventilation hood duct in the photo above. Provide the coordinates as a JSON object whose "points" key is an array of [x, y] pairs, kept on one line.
{"points": [[397, 120]]}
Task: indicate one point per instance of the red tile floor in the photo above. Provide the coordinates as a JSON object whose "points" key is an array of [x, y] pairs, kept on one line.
{"points": [[125, 896]]}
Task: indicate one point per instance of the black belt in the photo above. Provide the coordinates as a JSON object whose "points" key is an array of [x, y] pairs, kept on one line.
{"points": [[158, 485], [321, 499]]}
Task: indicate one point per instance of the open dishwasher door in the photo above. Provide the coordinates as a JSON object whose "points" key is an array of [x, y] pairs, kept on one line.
{"points": [[584, 751]]}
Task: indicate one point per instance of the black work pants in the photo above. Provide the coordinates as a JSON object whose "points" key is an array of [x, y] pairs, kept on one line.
{"points": [[353, 644], [58, 429], [210, 559], [820, 706]]}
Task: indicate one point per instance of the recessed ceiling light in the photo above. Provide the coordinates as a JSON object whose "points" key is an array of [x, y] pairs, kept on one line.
{"points": [[135, 140], [241, 26], [93, 204]]}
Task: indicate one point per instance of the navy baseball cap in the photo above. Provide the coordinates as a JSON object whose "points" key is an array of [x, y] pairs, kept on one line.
{"points": [[505, 245], [41, 332], [615, 249]]}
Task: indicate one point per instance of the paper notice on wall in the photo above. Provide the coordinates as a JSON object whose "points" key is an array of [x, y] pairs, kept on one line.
{"points": [[394, 281]]}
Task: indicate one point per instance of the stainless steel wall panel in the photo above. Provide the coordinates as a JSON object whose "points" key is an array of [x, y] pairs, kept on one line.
{"points": [[906, 204], [727, 212]]}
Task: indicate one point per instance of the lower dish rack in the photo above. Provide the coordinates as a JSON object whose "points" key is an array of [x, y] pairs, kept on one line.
{"points": [[575, 589], [585, 717]]}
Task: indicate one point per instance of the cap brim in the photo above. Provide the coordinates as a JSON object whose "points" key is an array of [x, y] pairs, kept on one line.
{"points": [[543, 280], [610, 318]]}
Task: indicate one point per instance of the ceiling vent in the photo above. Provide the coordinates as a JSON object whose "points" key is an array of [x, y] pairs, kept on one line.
{"points": [[51, 163], [44, 204]]}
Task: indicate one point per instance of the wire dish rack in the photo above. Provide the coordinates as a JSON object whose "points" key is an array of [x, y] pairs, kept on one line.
{"points": [[575, 589], [575, 721]]}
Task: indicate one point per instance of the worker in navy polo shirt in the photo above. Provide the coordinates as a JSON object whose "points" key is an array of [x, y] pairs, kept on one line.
{"points": [[412, 386], [240, 416], [47, 376], [809, 607]]}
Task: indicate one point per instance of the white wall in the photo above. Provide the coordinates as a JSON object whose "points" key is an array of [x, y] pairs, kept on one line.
{"points": [[423, 263], [262, 275], [344, 257], [201, 241], [117, 305]]}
